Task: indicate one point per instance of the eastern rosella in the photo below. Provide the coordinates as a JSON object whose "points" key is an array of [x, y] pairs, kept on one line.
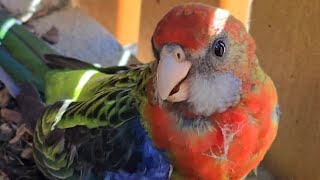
{"points": [[205, 103]]}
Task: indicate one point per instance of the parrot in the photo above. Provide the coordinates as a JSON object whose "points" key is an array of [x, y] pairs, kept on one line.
{"points": [[204, 106], [36, 77]]}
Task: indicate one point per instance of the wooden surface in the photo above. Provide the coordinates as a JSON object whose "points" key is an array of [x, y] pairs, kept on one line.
{"points": [[120, 17], [238, 8], [287, 34], [128, 21], [105, 12]]}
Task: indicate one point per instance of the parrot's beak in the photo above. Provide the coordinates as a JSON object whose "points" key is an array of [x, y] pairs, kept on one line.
{"points": [[171, 74]]}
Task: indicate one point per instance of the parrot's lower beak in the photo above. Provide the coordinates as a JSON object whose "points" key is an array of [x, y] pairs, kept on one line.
{"points": [[171, 74]]}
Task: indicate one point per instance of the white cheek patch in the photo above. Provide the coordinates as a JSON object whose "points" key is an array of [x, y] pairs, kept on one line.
{"points": [[214, 94]]}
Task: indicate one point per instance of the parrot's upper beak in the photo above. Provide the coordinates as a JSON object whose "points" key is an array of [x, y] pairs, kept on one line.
{"points": [[171, 73]]}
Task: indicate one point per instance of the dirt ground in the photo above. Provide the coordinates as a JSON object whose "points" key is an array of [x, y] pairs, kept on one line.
{"points": [[16, 160]]}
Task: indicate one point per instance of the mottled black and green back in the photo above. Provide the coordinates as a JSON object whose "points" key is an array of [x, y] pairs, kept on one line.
{"points": [[79, 138]]}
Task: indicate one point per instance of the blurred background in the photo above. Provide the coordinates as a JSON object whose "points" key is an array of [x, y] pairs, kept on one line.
{"points": [[287, 34]]}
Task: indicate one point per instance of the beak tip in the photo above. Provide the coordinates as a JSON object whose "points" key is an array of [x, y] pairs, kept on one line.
{"points": [[163, 97], [161, 91]]}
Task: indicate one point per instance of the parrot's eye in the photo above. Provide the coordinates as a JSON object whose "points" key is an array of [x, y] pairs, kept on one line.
{"points": [[219, 48]]}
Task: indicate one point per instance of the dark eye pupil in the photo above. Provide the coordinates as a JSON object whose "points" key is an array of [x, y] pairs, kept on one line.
{"points": [[219, 48]]}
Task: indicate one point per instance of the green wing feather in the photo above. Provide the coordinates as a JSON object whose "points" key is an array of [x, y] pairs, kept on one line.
{"points": [[106, 100]]}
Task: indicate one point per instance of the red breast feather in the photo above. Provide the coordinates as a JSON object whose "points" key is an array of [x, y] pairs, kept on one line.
{"points": [[237, 142]]}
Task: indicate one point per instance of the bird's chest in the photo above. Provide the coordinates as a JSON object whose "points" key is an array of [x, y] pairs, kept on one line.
{"points": [[232, 144]]}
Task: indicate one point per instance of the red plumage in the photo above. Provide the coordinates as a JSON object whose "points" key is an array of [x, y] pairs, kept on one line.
{"points": [[238, 135], [250, 122]]}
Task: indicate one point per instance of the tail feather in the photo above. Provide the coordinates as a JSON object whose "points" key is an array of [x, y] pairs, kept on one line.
{"points": [[18, 72], [62, 62], [13, 89], [21, 53], [55, 61], [25, 47]]}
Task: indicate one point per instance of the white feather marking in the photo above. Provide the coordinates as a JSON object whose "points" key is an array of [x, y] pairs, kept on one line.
{"points": [[220, 19], [60, 113], [214, 94], [229, 132]]}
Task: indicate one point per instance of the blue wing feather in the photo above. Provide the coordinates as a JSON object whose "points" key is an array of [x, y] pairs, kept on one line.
{"points": [[153, 164]]}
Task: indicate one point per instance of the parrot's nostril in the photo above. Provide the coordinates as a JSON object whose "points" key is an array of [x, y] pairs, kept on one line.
{"points": [[178, 55]]}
